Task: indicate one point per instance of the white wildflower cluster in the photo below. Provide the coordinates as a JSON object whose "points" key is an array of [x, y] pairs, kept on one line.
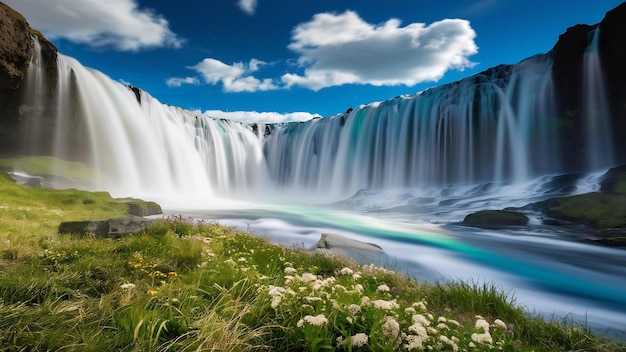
{"points": [[346, 271], [359, 340], [317, 320], [375, 269], [385, 305], [390, 328], [277, 293], [383, 288], [127, 286], [482, 336], [403, 326]]}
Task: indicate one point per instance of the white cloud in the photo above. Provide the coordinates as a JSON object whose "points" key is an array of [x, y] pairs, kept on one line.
{"points": [[337, 49], [247, 6], [234, 78], [177, 81], [260, 117], [119, 24]]}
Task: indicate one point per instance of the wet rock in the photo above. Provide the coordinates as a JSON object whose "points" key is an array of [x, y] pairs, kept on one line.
{"points": [[495, 219], [614, 181], [329, 241], [111, 228], [599, 210]]}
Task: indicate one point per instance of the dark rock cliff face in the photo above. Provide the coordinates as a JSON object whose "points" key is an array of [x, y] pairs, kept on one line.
{"points": [[613, 59], [16, 50], [567, 73]]}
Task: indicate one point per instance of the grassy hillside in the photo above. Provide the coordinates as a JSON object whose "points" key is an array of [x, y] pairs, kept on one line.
{"points": [[187, 286]]}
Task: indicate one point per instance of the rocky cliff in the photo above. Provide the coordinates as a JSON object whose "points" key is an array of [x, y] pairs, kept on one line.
{"points": [[567, 73], [16, 50]]}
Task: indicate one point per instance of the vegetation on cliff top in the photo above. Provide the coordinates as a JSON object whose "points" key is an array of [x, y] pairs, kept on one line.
{"points": [[182, 285]]}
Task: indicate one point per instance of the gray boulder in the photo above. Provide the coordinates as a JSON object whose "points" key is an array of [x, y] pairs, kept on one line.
{"points": [[111, 228], [329, 242]]}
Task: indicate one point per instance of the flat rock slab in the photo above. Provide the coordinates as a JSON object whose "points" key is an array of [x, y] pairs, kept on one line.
{"points": [[111, 228], [329, 241]]}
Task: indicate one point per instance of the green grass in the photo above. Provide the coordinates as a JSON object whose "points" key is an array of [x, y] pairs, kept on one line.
{"points": [[186, 286], [46, 166]]}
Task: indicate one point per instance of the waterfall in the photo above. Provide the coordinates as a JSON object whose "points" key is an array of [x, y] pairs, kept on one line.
{"points": [[496, 128], [596, 109], [34, 100], [500, 126], [141, 146]]}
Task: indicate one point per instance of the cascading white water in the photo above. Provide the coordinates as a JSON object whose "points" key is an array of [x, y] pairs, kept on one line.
{"points": [[35, 98], [147, 147], [476, 130], [499, 126], [596, 109]]}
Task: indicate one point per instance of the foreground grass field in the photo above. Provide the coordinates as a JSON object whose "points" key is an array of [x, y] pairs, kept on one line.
{"points": [[186, 286]]}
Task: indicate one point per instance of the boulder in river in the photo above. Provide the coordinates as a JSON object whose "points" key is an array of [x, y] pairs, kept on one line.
{"points": [[491, 219], [329, 241]]}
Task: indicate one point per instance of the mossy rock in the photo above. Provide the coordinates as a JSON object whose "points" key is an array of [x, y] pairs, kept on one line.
{"points": [[495, 219], [140, 207], [599, 210], [614, 181]]}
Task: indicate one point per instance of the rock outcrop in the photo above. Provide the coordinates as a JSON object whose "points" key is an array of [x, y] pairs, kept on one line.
{"points": [[111, 228], [16, 50]]}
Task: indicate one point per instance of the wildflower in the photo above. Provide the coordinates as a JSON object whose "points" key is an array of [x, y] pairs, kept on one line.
{"points": [[290, 271], [442, 326], [317, 320], [447, 341], [172, 274], [242, 259], [309, 277], [358, 288], [252, 251], [127, 286], [410, 310], [340, 341], [354, 309], [385, 305], [356, 276], [499, 323], [230, 262], [383, 288], [339, 287], [390, 328], [349, 320], [484, 336], [346, 271], [421, 305], [152, 292], [420, 319], [415, 342], [454, 322], [482, 324], [359, 340]]}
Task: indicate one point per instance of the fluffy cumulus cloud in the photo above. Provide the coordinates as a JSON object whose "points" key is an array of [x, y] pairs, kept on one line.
{"points": [[234, 78], [337, 49], [260, 117], [247, 6], [120, 24]]}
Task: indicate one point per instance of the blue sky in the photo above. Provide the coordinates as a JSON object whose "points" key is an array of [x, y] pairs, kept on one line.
{"points": [[304, 57]]}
